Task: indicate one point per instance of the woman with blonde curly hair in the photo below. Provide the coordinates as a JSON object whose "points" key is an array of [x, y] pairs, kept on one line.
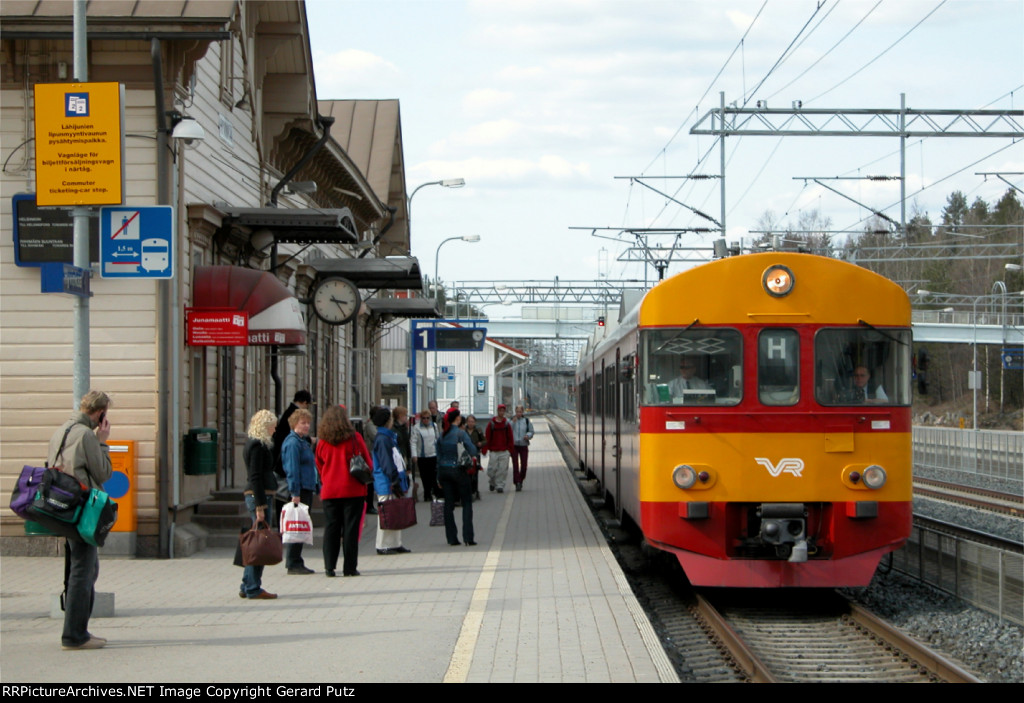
{"points": [[260, 487]]}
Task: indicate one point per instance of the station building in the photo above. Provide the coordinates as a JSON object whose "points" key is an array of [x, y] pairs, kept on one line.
{"points": [[251, 233]]}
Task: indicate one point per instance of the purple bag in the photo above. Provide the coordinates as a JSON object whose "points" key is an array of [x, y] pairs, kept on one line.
{"points": [[25, 490], [30, 481]]}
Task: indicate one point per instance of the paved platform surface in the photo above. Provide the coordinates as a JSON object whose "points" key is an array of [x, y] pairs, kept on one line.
{"points": [[540, 599]]}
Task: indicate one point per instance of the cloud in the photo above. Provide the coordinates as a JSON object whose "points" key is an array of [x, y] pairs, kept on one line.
{"points": [[507, 171], [486, 99], [354, 73]]}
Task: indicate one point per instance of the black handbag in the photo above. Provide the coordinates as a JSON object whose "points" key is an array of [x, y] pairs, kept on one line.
{"points": [[359, 470]]}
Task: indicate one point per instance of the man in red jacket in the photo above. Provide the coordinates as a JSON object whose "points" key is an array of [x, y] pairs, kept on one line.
{"points": [[499, 445]]}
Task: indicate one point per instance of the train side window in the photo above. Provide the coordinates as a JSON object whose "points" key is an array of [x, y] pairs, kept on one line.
{"points": [[862, 366], [698, 366], [778, 367]]}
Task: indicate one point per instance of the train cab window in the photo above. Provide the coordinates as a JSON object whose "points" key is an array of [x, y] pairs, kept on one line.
{"points": [[778, 367], [862, 366], [702, 366]]}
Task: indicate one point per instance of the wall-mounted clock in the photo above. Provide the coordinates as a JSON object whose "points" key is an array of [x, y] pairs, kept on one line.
{"points": [[336, 300]]}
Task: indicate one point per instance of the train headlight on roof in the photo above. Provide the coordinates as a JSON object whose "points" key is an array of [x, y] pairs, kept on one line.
{"points": [[777, 281]]}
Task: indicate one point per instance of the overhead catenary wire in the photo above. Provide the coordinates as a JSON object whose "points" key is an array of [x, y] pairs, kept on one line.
{"points": [[880, 55], [709, 88], [830, 50], [782, 57]]}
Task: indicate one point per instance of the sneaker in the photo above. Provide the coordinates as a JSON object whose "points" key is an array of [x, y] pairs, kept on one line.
{"points": [[91, 643]]}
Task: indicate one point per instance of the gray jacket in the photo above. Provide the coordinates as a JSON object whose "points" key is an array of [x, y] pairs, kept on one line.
{"points": [[83, 453], [522, 431]]}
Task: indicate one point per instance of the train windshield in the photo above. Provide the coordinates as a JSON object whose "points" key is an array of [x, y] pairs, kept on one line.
{"points": [[692, 366], [862, 366]]}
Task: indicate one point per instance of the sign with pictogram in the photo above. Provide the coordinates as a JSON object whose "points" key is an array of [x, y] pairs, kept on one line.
{"points": [[137, 242], [216, 328], [79, 144]]}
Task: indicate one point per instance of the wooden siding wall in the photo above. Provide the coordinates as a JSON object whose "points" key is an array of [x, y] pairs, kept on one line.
{"points": [[36, 329], [36, 336]]}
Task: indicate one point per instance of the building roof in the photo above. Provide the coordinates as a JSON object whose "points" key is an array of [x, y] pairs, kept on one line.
{"points": [[370, 132]]}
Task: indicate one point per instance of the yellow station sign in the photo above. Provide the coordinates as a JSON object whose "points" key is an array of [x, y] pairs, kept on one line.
{"points": [[79, 144]]}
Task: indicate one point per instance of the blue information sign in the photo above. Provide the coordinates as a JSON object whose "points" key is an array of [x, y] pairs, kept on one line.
{"points": [[137, 242], [1013, 358]]}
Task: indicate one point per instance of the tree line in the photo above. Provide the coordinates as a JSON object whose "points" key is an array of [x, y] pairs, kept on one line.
{"points": [[956, 255]]}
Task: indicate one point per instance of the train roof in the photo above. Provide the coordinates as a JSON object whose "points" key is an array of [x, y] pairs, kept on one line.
{"points": [[731, 291]]}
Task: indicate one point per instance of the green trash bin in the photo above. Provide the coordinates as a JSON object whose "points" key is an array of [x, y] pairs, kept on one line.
{"points": [[201, 451]]}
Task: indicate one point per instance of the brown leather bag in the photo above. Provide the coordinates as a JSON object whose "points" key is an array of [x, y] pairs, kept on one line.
{"points": [[261, 546]]}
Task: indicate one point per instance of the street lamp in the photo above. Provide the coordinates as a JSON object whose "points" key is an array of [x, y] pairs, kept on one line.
{"points": [[444, 183], [437, 279], [437, 259]]}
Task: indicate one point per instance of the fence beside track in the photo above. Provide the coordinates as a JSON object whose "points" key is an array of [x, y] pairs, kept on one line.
{"points": [[987, 577]]}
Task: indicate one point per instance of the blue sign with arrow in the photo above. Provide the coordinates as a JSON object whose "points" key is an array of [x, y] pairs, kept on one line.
{"points": [[137, 242]]}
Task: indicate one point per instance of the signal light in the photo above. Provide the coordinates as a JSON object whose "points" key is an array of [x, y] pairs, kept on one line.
{"points": [[600, 321]]}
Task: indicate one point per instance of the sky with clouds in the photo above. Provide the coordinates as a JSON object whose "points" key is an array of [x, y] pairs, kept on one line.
{"points": [[541, 104]]}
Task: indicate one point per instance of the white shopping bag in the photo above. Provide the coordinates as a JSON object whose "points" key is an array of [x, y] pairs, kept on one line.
{"points": [[296, 525]]}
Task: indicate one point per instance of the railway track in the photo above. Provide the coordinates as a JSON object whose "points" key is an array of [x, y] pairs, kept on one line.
{"points": [[759, 636], [783, 638], [1005, 503]]}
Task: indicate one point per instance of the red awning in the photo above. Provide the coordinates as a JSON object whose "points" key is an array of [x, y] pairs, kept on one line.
{"points": [[274, 313]]}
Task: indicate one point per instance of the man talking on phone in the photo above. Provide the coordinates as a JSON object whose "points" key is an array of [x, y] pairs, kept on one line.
{"points": [[79, 448]]}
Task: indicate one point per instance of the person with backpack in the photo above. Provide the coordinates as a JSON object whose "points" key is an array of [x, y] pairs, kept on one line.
{"points": [[522, 433], [453, 475], [499, 443]]}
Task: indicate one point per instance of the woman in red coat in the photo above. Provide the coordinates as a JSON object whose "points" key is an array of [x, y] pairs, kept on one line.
{"points": [[344, 497]]}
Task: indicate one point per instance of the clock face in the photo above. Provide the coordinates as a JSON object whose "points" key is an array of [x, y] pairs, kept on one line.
{"points": [[336, 300]]}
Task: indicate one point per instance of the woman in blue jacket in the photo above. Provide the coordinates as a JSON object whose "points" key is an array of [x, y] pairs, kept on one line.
{"points": [[387, 480], [454, 480], [300, 470]]}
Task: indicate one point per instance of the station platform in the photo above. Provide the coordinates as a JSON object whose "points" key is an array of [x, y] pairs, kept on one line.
{"points": [[539, 599]]}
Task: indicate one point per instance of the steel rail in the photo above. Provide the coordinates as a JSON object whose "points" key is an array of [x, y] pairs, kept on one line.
{"points": [[926, 657]]}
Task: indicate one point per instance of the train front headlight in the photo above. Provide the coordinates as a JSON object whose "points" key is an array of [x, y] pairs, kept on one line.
{"points": [[684, 476], [874, 477]]}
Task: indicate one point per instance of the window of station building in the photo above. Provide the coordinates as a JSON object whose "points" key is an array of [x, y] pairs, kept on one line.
{"points": [[862, 366], [696, 366], [778, 367]]}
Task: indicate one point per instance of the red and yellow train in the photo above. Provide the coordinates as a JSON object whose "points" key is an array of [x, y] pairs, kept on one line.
{"points": [[752, 417]]}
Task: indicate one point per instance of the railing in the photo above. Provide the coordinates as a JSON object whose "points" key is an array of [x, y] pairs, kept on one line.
{"points": [[985, 452], [987, 577]]}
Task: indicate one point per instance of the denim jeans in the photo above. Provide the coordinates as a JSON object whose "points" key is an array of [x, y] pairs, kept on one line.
{"points": [[84, 569], [252, 577]]}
